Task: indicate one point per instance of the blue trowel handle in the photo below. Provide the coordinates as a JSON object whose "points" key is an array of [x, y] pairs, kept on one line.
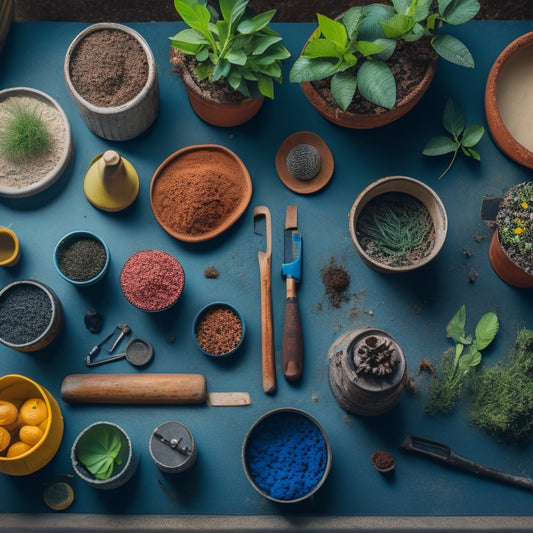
{"points": [[292, 347]]}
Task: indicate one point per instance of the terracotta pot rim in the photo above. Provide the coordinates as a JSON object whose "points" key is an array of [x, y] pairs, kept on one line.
{"points": [[246, 183], [152, 71], [393, 184], [502, 136], [504, 266]]}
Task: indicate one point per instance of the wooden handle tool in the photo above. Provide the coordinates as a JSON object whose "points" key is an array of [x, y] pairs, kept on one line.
{"points": [[134, 388], [267, 329]]}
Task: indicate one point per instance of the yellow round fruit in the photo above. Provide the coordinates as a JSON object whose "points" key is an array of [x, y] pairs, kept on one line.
{"points": [[8, 413], [5, 438], [17, 448], [33, 411], [30, 434]]}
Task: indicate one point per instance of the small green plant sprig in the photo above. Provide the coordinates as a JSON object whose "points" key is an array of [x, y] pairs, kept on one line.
{"points": [[353, 50], [239, 48], [502, 396], [461, 137], [99, 451], [515, 225], [445, 384], [395, 223], [24, 135]]}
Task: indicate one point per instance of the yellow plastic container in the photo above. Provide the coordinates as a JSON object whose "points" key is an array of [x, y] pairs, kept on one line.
{"points": [[9, 248], [17, 389]]}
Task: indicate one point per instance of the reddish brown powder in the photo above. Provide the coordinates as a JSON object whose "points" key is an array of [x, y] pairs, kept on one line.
{"points": [[152, 280], [108, 68], [196, 193], [382, 460], [219, 330]]}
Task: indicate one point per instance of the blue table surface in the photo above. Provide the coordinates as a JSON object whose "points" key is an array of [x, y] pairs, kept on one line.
{"points": [[413, 308]]}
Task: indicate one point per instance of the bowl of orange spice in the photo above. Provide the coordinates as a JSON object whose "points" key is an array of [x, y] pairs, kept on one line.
{"points": [[31, 425], [199, 192]]}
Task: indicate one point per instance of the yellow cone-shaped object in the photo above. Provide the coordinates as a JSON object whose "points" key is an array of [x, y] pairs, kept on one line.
{"points": [[111, 183]]}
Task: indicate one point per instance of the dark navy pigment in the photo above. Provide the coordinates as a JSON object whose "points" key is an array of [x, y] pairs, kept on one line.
{"points": [[25, 313], [286, 456]]}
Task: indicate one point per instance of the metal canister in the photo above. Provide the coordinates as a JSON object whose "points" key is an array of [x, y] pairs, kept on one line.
{"points": [[172, 447]]}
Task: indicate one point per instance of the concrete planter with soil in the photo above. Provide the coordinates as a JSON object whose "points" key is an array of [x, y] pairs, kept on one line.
{"points": [[32, 175], [419, 199], [111, 74]]}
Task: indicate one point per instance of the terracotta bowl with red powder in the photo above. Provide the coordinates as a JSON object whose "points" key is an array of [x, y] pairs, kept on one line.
{"points": [[152, 280]]}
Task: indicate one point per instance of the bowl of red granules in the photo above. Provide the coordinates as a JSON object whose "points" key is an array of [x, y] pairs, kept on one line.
{"points": [[198, 192], [218, 329], [152, 280]]}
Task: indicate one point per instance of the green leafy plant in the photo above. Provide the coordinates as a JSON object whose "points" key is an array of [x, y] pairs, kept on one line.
{"points": [[503, 396], [461, 138], [24, 135], [98, 450], [515, 218], [234, 46], [354, 49], [395, 223], [446, 383]]}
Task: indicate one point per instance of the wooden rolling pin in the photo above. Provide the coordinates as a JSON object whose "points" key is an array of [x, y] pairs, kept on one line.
{"points": [[134, 388]]}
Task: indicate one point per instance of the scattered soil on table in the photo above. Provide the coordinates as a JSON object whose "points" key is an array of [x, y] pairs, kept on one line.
{"points": [[336, 281], [109, 68], [425, 366], [408, 65], [219, 91], [211, 272]]}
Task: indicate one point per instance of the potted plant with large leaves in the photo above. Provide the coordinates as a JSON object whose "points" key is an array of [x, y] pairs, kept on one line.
{"points": [[228, 60], [374, 63]]}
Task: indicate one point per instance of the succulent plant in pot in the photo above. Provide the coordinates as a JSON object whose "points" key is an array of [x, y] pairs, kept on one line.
{"points": [[227, 59], [350, 67]]}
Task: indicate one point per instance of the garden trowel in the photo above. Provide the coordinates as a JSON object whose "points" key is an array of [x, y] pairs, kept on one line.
{"points": [[292, 347]]}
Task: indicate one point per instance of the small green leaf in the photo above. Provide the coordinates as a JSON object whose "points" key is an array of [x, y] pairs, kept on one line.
{"points": [[456, 12], [453, 119], [333, 30], [470, 152], [256, 23], [98, 450], [472, 135], [322, 48], [402, 6], [453, 50], [470, 359], [232, 10], [456, 326], [343, 86], [370, 28], [266, 86], [439, 146], [196, 16], [397, 25], [263, 42], [351, 20], [422, 10], [377, 84], [305, 69], [368, 48], [237, 57], [486, 330]]}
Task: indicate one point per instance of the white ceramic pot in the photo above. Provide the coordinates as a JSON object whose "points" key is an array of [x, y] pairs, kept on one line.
{"points": [[126, 121]]}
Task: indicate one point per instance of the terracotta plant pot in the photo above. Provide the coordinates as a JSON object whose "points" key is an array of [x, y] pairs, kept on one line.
{"points": [[505, 268], [508, 100], [47, 170], [120, 122], [360, 392], [419, 191], [214, 112]]}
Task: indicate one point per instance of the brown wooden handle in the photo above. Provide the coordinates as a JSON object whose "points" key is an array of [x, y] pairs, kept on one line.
{"points": [[134, 388], [293, 346], [268, 362]]}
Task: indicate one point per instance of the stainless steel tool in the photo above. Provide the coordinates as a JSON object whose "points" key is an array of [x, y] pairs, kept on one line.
{"points": [[292, 346]]}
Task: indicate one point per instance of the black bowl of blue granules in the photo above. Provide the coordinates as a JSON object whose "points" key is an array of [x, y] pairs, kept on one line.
{"points": [[31, 315], [286, 455]]}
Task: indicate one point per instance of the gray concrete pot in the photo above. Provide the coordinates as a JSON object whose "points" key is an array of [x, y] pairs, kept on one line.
{"points": [[124, 122]]}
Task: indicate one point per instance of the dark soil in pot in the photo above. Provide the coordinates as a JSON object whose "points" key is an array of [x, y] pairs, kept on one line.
{"points": [[409, 64], [396, 229], [109, 68], [219, 91]]}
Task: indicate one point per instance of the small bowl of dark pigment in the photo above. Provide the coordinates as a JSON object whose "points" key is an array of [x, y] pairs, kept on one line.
{"points": [[218, 329], [81, 258], [286, 455], [31, 315]]}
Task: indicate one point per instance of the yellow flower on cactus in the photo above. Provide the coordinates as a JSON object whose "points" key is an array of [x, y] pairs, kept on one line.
{"points": [[517, 221], [524, 205], [518, 231]]}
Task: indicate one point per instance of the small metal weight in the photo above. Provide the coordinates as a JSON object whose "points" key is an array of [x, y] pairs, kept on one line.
{"points": [[172, 447]]}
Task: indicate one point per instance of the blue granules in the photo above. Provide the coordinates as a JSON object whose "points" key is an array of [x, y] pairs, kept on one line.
{"points": [[286, 455]]}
